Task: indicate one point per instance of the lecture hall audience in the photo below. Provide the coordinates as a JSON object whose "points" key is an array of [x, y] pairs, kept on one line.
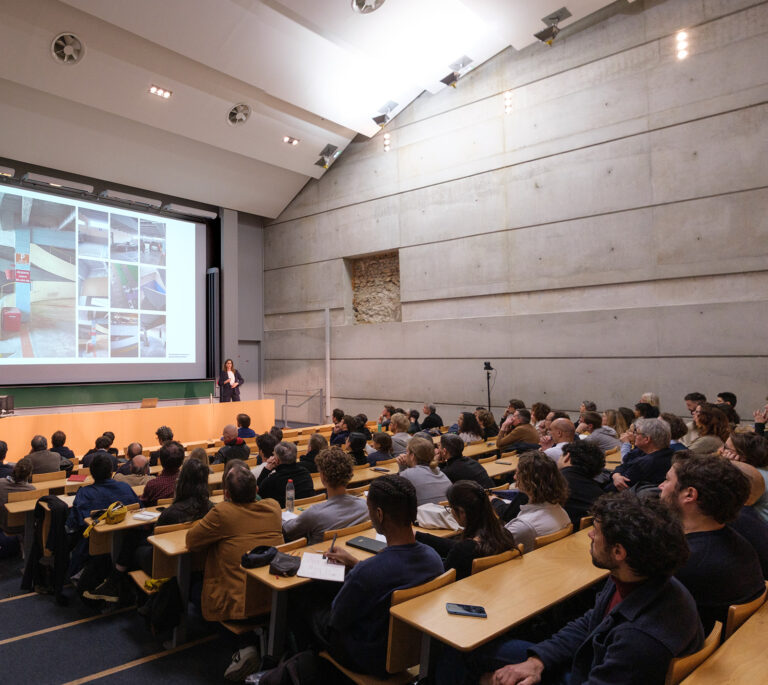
{"points": [[281, 467], [457, 467], [419, 466]]}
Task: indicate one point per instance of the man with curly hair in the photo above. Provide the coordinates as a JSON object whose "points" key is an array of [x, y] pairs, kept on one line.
{"points": [[642, 617], [339, 510]]}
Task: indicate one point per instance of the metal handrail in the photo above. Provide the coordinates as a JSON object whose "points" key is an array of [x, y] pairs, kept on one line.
{"points": [[297, 393]]}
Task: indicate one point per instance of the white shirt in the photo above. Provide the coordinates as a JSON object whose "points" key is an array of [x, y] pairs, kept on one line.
{"points": [[231, 375], [556, 451]]}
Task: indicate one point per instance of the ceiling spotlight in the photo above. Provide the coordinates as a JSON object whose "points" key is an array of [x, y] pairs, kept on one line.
{"points": [[290, 140], [327, 155], [366, 6], [549, 34], [382, 119], [160, 92], [682, 35], [387, 139], [385, 112], [508, 102], [451, 79], [682, 44]]}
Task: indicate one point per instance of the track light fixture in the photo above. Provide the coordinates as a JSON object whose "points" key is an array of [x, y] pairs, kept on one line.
{"points": [[327, 155], [385, 113], [549, 34]]}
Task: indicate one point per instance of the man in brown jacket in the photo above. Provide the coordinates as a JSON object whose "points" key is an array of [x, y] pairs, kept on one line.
{"points": [[228, 531], [522, 435]]}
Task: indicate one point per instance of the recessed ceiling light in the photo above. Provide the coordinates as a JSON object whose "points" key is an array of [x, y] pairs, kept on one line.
{"points": [[160, 92], [7, 171]]}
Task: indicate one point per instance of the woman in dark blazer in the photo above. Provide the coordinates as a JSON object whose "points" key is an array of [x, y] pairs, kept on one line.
{"points": [[230, 381]]}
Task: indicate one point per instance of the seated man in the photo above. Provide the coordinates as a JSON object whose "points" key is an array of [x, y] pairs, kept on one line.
{"points": [[431, 418], [17, 481], [43, 460], [227, 531], [398, 424], [521, 436], [67, 455], [649, 461], [591, 428], [233, 447], [244, 429], [5, 469], [339, 510], [164, 485], [642, 618], [580, 463], [131, 452], [138, 473], [101, 446], [355, 628], [279, 469], [164, 434], [266, 443], [723, 568], [559, 433], [458, 467]]}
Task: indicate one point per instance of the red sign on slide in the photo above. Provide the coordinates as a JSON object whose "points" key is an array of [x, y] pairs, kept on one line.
{"points": [[22, 276]]}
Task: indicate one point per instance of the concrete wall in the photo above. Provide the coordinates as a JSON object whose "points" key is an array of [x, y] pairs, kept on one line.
{"points": [[608, 237]]}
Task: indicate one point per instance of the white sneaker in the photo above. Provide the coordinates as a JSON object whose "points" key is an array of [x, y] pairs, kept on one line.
{"points": [[244, 662]]}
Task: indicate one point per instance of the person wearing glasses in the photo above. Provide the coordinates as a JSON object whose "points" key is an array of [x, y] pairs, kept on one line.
{"points": [[649, 460]]}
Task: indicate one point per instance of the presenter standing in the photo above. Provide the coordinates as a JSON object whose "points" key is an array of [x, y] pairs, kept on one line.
{"points": [[230, 381]]}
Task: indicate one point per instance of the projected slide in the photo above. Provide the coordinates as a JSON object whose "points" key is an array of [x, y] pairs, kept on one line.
{"points": [[82, 283]]}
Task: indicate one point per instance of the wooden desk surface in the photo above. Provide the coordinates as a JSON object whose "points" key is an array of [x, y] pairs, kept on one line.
{"points": [[741, 659], [511, 593], [494, 469], [29, 504], [359, 476]]}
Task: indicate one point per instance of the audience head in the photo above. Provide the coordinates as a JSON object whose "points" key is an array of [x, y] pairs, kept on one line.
{"points": [[413, 415], [650, 398], [103, 442], [337, 415], [164, 433], [421, 452], [693, 399], [266, 443], [452, 444], [101, 468], [642, 534], [317, 442], [730, 414], [335, 467], [398, 423], [199, 454], [286, 452], [539, 411], [391, 503], [22, 471], [473, 511], [171, 455], [243, 420], [613, 419], [627, 414], [383, 442], [677, 426], [39, 443], [357, 442], [711, 485], [585, 455], [749, 448], [3, 450], [727, 398], [521, 417], [229, 433], [652, 435], [552, 416], [277, 432], [58, 439], [562, 430], [485, 419], [192, 482], [140, 465], [239, 484], [587, 405], [349, 423], [389, 409], [515, 404], [133, 450], [468, 423], [110, 435], [361, 420], [429, 409], [592, 418], [710, 420], [540, 479], [233, 464], [643, 410]]}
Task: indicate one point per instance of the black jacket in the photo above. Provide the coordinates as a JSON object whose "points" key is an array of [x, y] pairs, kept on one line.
{"points": [[464, 468], [582, 492], [35, 572], [272, 483], [236, 449], [431, 421]]}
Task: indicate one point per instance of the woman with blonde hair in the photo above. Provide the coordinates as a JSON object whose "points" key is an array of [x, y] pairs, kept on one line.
{"points": [[613, 419], [419, 465]]}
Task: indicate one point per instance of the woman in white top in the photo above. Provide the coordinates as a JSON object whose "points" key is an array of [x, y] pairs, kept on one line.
{"points": [[470, 429], [419, 465], [230, 381], [547, 490]]}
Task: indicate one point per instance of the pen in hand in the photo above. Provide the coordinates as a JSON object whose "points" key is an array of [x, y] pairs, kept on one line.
{"points": [[333, 542]]}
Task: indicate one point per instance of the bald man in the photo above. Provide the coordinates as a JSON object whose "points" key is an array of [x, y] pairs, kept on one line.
{"points": [[234, 447], [560, 433], [131, 452], [139, 471]]}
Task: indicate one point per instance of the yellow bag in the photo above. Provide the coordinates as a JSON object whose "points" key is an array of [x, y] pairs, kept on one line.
{"points": [[115, 513]]}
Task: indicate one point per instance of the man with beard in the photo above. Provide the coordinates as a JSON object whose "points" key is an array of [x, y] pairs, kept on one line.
{"points": [[642, 617]]}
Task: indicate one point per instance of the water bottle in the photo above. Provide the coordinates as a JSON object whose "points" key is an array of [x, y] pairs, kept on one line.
{"points": [[290, 495]]}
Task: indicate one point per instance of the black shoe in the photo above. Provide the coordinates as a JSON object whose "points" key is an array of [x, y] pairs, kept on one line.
{"points": [[108, 591]]}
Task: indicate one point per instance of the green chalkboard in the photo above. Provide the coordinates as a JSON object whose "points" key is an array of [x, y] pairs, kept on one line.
{"points": [[104, 393]]}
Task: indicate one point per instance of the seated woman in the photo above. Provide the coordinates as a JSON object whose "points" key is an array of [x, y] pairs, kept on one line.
{"points": [[487, 423], [469, 427], [191, 501], [317, 443], [347, 425], [340, 510], [613, 419], [419, 465], [547, 490], [483, 534], [713, 429], [201, 455], [382, 448], [355, 445]]}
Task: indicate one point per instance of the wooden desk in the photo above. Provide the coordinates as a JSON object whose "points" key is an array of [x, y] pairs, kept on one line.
{"points": [[23, 513], [359, 476], [476, 451], [741, 659], [511, 593], [494, 469]]}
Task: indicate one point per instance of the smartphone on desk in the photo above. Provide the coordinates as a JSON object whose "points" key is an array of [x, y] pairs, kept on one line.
{"points": [[466, 610], [381, 469]]}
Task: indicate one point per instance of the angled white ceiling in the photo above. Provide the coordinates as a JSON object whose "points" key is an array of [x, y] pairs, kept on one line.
{"points": [[311, 69]]}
